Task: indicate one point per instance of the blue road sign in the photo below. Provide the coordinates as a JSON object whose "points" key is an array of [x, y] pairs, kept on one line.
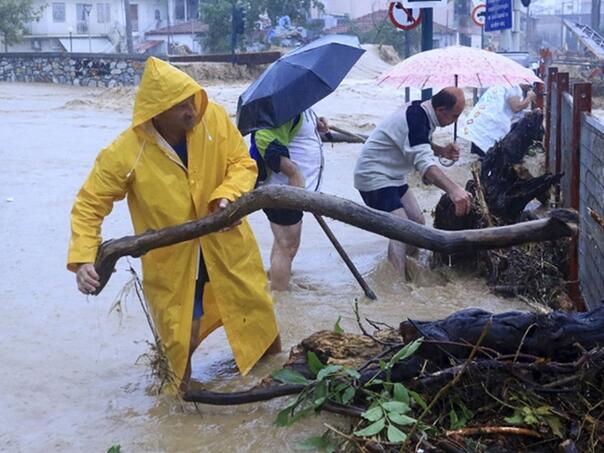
{"points": [[499, 15]]}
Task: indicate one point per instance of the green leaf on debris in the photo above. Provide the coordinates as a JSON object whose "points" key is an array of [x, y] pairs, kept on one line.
{"points": [[372, 429], [352, 373], [406, 351], [400, 419], [287, 376], [328, 371], [321, 443], [337, 328], [515, 419], [418, 399], [459, 418], [348, 395], [396, 406], [373, 413], [395, 435], [314, 363], [285, 416], [320, 394], [400, 393], [555, 425], [115, 449]]}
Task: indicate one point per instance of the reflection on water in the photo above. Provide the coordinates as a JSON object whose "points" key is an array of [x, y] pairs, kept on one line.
{"points": [[69, 372]]}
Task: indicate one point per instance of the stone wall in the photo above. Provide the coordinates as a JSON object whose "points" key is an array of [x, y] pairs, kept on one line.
{"points": [[591, 234], [105, 70]]}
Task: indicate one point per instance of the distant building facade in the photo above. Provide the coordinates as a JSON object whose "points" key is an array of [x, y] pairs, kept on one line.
{"points": [[100, 27]]}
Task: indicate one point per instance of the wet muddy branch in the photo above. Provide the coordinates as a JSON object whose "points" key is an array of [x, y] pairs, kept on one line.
{"points": [[562, 223]]}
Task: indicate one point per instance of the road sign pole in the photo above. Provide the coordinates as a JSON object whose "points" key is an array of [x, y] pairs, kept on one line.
{"points": [[427, 41], [407, 55]]}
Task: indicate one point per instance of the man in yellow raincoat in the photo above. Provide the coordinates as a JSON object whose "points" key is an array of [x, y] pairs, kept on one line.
{"points": [[180, 160]]}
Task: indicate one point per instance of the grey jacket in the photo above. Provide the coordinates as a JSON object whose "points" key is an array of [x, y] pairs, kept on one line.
{"points": [[397, 146]]}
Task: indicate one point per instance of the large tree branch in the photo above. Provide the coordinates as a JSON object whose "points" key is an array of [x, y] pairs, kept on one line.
{"points": [[562, 223]]}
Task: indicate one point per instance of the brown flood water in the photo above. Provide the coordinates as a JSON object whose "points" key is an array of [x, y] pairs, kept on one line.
{"points": [[70, 376]]}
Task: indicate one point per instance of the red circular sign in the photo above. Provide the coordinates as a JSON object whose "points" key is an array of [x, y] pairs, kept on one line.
{"points": [[479, 14], [404, 18]]}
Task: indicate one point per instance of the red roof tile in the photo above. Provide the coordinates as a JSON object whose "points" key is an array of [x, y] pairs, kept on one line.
{"points": [[363, 23]]}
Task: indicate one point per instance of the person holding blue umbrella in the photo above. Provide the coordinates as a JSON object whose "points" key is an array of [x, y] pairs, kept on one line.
{"points": [[276, 109], [292, 155]]}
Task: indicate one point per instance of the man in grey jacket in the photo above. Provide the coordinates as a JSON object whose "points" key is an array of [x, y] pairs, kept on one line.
{"points": [[403, 143]]}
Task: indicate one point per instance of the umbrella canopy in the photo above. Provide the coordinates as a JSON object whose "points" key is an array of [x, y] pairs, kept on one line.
{"points": [[296, 81], [473, 67]]}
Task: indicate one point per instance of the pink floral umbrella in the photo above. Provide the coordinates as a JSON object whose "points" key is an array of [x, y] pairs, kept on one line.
{"points": [[457, 66]]}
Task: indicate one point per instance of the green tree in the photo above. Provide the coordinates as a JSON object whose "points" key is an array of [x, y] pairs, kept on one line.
{"points": [[14, 17], [385, 33], [217, 14]]}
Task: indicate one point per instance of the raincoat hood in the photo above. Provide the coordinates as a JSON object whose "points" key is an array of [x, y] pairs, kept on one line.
{"points": [[162, 87]]}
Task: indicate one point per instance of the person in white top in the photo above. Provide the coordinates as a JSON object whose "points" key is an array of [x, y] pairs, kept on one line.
{"points": [[291, 154], [495, 114]]}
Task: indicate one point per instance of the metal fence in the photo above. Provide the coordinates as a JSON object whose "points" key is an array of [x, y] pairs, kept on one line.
{"points": [[591, 198], [566, 138], [575, 146]]}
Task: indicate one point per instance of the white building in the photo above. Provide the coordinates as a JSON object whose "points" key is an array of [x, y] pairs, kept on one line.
{"points": [[351, 8], [100, 26]]}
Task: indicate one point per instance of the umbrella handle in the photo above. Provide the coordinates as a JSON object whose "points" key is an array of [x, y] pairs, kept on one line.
{"points": [[445, 162]]}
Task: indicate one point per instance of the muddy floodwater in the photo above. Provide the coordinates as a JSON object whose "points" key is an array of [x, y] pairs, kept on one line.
{"points": [[71, 373]]}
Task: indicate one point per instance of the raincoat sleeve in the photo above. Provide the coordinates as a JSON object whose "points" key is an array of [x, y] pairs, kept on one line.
{"points": [[241, 171], [93, 203]]}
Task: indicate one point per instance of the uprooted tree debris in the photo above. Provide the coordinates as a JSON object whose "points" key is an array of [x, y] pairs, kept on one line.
{"points": [[502, 188], [473, 381], [560, 224]]}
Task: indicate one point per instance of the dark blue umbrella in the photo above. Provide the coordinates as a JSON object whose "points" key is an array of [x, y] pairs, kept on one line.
{"points": [[296, 81]]}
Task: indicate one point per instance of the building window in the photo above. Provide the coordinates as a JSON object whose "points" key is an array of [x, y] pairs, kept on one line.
{"points": [[192, 9], [83, 17], [134, 17], [179, 10], [103, 13], [58, 12]]}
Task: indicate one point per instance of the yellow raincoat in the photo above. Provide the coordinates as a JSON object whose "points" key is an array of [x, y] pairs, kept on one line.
{"points": [[161, 192]]}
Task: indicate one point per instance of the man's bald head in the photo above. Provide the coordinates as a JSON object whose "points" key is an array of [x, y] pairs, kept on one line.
{"points": [[448, 104]]}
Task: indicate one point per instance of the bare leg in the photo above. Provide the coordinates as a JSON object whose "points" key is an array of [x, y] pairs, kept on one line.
{"points": [[285, 247], [275, 347], [194, 343], [397, 251], [414, 213]]}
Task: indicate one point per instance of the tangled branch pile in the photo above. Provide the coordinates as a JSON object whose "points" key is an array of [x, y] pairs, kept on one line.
{"points": [[472, 382], [501, 188]]}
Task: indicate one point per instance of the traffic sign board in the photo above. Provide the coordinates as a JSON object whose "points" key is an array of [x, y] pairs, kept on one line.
{"points": [[498, 15], [479, 14], [404, 18], [424, 3]]}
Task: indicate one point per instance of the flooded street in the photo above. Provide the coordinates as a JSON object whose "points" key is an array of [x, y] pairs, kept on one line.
{"points": [[72, 374]]}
